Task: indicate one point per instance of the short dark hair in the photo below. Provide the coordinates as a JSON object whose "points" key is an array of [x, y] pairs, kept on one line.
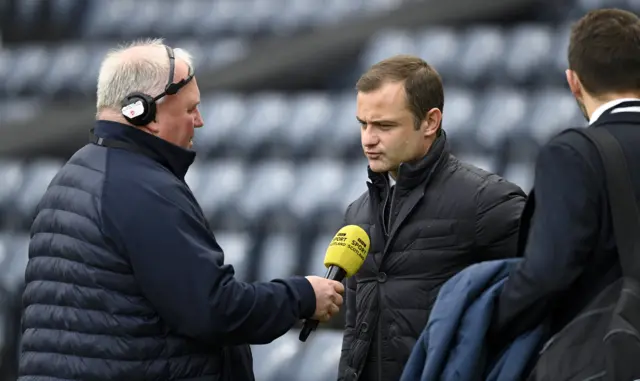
{"points": [[604, 51], [422, 83]]}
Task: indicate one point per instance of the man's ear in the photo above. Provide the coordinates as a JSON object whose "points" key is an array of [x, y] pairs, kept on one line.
{"points": [[431, 123], [574, 83]]}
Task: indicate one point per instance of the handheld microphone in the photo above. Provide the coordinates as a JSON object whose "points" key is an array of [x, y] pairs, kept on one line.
{"points": [[345, 254]]}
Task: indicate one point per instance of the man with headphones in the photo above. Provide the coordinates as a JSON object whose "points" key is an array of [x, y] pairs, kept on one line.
{"points": [[125, 280]]}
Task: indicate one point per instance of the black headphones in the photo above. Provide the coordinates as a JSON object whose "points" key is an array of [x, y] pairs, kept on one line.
{"points": [[140, 108]]}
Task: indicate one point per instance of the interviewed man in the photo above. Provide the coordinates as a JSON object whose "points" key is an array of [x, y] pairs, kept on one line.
{"points": [[125, 280], [428, 214]]}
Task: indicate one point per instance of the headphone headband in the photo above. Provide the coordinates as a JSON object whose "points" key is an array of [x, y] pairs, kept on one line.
{"points": [[140, 108]]}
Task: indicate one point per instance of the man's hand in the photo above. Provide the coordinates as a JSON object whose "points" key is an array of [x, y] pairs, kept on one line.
{"points": [[328, 297]]}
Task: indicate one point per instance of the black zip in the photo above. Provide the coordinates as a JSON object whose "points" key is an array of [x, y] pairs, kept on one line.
{"points": [[385, 227], [393, 196], [387, 231]]}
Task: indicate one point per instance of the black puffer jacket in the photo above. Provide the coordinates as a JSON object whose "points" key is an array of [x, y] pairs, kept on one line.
{"points": [[444, 216]]}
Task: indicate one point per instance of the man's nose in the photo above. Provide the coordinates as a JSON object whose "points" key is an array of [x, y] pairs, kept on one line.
{"points": [[368, 137], [198, 122]]}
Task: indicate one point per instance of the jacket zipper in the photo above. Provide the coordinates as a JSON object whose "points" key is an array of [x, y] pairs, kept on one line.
{"points": [[387, 232], [385, 227]]}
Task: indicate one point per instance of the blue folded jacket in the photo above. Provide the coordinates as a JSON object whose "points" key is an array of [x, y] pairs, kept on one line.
{"points": [[453, 346]]}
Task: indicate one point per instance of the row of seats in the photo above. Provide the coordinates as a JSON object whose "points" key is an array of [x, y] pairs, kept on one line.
{"points": [[525, 54], [99, 19], [531, 53], [72, 69], [238, 194], [279, 125], [324, 124]]}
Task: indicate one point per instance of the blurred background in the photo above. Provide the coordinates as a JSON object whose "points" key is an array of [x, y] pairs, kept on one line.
{"points": [[279, 158]]}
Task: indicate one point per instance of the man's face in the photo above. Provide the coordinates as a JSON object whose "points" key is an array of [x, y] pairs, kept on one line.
{"points": [[388, 132], [178, 116]]}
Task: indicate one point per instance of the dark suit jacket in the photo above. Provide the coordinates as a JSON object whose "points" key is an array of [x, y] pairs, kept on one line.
{"points": [[566, 234]]}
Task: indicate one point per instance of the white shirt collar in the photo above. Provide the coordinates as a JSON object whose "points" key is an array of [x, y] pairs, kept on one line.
{"points": [[609, 105]]}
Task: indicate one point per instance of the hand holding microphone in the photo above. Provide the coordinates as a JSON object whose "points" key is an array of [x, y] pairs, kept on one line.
{"points": [[345, 254], [328, 297]]}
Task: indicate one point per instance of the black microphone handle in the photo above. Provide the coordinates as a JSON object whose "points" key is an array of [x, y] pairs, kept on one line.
{"points": [[310, 325]]}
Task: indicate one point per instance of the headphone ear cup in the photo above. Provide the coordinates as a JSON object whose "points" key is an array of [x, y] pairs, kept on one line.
{"points": [[139, 109]]}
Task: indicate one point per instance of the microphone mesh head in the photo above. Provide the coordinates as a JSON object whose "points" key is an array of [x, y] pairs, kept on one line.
{"points": [[348, 249]]}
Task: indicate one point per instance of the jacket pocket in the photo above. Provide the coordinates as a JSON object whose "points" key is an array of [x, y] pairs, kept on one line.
{"points": [[434, 234]]}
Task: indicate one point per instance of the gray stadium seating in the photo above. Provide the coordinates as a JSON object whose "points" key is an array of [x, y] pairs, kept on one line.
{"points": [[278, 257], [237, 251]]}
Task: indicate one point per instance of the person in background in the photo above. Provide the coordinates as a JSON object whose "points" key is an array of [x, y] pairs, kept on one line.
{"points": [[570, 251], [125, 280], [428, 214]]}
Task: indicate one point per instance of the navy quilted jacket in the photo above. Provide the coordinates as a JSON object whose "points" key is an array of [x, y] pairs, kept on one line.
{"points": [[125, 281]]}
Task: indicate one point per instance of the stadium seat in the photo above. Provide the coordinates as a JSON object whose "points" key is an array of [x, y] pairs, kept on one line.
{"points": [[223, 114], [555, 72], [66, 62], [334, 11], [315, 261], [4, 247], [272, 362], [459, 119], [19, 109], [217, 190], [265, 194], [439, 46], [237, 251], [529, 47], [196, 177], [321, 356], [388, 43], [553, 110], [104, 18], [7, 58], [13, 265], [225, 51], [86, 81], [218, 17], [27, 70], [11, 178], [502, 110], [179, 18], [482, 48], [309, 122], [343, 140], [292, 16], [261, 130], [278, 257], [37, 178], [317, 186], [13, 260], [64, 11], [521, 173], [355, 183]]}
